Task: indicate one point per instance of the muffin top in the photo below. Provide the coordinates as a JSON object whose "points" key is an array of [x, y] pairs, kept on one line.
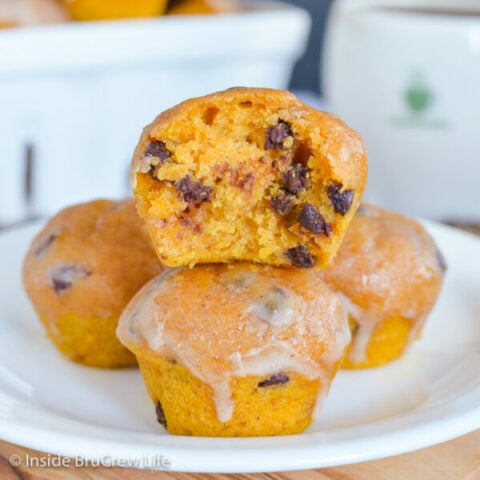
{"points": [[224, 321], [89, 259]]}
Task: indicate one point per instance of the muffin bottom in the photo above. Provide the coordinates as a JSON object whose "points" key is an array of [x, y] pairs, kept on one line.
{"points": [[388, 341], [185, 404], [90, 341]]}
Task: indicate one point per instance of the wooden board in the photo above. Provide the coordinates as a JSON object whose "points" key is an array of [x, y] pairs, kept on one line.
{"points": [[455, 460]]}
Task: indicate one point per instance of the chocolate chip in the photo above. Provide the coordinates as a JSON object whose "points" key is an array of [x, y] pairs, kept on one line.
{"points": [[277, 379], [153, 172], [193, 192], [295, 180], [442, 263], [274, 299], [300, 257], [158, 149], [161, 419], [273, 307], [238, 283], [277, 134], [158, 153], [62, 277], [311, 219], [341, 201], [44, 245], [282, 203]]}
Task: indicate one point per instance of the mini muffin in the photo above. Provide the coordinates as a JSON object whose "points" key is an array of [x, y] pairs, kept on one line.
{"points": [[248, 174], [389, 273], [196, 7], [114, 9], [18, 13], [236, 350], [81, 271]]}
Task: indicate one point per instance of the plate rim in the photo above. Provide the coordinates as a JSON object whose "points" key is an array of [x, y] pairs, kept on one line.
{"points": [[285, 458]]}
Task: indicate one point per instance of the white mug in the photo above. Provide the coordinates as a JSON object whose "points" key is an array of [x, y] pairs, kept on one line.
{"points": [[406, 75]]}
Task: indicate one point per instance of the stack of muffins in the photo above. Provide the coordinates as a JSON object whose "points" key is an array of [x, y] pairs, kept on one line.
{"points": [[269, 279]]}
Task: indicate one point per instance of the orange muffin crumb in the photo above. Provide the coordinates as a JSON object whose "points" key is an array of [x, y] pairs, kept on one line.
{"points": [[248, 174]]}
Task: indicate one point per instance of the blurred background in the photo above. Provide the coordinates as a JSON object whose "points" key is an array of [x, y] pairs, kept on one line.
{"points": [[80, 78], [307, 74]]}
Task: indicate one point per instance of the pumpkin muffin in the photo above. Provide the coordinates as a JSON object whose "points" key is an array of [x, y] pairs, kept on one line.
{"points": [[21, 13], [81, 271], [114, 9], [248, 174], [389, 273], [236, 350], [198, 7]]}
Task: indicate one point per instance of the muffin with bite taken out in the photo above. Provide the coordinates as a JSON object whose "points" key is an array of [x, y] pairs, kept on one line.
{"points": [[248, 174]]}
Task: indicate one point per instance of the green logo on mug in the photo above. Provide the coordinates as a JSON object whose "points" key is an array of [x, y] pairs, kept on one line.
{"points": [[418, 96]]}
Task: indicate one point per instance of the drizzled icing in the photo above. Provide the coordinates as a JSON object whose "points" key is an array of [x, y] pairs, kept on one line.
{"points": [[271, 303], [233, 321], [387, 266], [366, 325]]}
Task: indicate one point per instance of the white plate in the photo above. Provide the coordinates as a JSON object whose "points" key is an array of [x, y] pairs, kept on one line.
{"points": [[429, 396]]}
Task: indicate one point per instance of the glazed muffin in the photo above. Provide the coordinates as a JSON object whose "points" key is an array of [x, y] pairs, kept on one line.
{"points": [[114, 9], [196, 7], [389, 273], [81, 271], [248, 174], [18, 13], [236, 350]]}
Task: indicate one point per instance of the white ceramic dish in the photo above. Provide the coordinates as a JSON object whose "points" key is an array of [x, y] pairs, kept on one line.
{"points": [[79, 94], [429, 396], [405, 74]]}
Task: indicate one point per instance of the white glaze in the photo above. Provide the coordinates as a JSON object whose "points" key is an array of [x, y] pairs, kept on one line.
{"points": [[142, 305], [366, 325]]}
